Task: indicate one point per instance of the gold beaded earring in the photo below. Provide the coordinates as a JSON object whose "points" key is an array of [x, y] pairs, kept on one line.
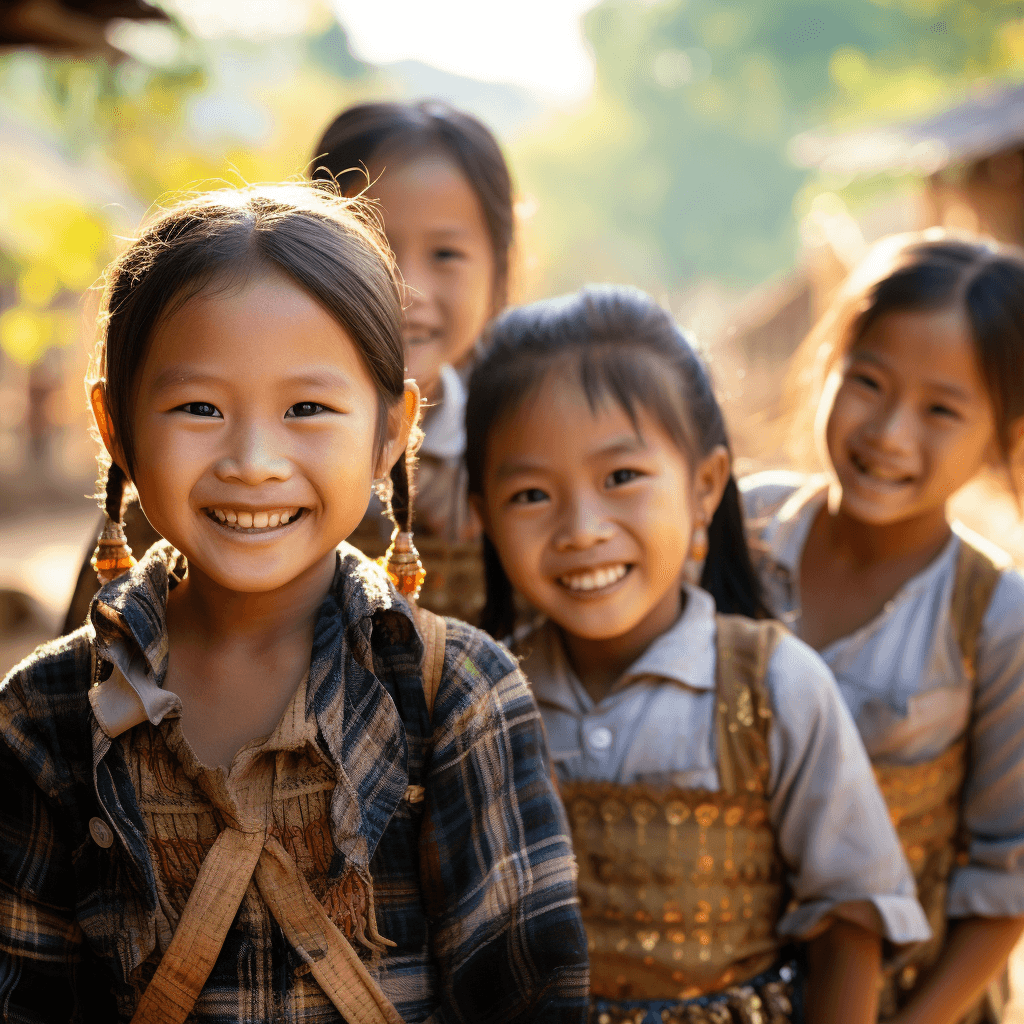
{"points": [[699, 544], [112, 556], [403, 566]]}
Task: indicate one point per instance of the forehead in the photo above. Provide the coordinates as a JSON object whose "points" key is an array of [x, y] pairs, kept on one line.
{"points": [[556, 428], [924, 346], [249, 333], [427, 190]]}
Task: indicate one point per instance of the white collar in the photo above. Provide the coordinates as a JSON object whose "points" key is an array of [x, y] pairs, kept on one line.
{"points": [[444, 430], [683, 654]]}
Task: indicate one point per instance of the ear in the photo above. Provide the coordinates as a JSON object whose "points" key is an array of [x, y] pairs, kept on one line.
{"points": [[709, 480], [402, 420], [104, 424]]}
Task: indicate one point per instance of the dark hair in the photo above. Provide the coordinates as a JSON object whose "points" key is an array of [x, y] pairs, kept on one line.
{"points": [[360, 134], [326, 244], [932, 270], [621, 345]]}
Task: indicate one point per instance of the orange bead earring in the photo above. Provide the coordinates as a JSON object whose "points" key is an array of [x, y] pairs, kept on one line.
{"points": [[699, 544]]}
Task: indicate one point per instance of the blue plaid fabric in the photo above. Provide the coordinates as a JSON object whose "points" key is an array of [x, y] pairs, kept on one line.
{"points": [[474, 884]]}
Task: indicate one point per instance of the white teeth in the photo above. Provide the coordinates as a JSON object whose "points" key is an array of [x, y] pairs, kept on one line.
{"points": [[594, 579], [254, 520]]}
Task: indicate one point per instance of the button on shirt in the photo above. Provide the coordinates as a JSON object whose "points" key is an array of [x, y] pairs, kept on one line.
{"points": [[656, 726], [902, 677]]}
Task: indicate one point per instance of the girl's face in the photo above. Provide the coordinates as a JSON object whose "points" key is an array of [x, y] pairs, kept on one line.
{"points": [[592, 519], [911, 421], [254, 434], [436, 227]]}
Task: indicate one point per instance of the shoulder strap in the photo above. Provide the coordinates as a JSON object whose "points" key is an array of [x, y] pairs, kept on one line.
{"points": [[977, 576], [432, 631], [743, 715]]}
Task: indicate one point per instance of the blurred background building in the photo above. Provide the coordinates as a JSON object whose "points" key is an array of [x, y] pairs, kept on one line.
{"points": [[732, 157]]}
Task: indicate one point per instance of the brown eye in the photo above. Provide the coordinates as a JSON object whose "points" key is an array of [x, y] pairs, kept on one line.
{"points": [[530, 496], [303, 409], [199, 409], [621, 476]]}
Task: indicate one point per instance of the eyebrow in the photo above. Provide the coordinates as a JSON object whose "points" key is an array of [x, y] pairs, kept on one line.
{"points": [[179, 376], [944, 387], [630, 444]]}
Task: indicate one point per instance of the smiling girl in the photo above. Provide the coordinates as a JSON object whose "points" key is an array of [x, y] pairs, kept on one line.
{"points": [[919, 365], [258, 784], [720, 801], [444, 195]]}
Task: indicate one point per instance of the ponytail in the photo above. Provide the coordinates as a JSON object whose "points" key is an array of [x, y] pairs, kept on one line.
{"points": [[729, 575]]}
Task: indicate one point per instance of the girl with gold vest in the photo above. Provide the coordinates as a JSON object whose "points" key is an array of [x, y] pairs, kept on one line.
{"points": [[918, 369], [721, 804]]}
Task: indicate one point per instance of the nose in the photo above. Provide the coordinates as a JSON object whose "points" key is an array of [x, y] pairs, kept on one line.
{"points": [[253, 457], [894, 428], [584, 524], [421, 313]]}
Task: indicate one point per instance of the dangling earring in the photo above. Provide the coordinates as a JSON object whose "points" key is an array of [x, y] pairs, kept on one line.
{"points": [[403, 566], [699, 544], [112, 556], [383, 487]]}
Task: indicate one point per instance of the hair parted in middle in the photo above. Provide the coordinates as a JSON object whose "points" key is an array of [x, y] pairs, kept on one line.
{"points": [[396, 132], [925, 271], [329, 246], [617, 344]]}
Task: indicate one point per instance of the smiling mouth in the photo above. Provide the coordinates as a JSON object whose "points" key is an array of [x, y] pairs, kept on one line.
{"points": [[880, 477], [591, 581], [253, 520]]}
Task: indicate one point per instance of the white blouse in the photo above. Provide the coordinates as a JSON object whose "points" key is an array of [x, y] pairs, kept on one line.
{"points": [[902, 678]]}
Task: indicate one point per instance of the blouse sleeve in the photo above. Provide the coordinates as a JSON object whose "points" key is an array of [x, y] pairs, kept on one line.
{"points": [[991, 883], [832, 825]]}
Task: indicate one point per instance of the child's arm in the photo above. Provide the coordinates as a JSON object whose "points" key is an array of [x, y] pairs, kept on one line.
{"points": [[496, 859], [40, 940], [844, 964], [976, 950]]}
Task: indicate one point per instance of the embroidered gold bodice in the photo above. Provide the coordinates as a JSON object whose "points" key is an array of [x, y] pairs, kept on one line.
{"points": [[925, 800], [681, 889]]}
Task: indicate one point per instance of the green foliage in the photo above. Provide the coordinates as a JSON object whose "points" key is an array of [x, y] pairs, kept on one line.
{"points": [[677, 170]]}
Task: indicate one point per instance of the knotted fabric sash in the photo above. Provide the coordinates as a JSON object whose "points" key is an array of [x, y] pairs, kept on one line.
{"points": [[235, 859], [238, 857]]}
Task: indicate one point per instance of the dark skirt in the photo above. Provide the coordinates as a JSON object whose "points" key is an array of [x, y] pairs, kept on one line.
{"points": [[773, 997]]}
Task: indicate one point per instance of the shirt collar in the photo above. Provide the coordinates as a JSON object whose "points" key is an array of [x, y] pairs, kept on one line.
{"points": [[786, 533], [683, 654], [444, 430], [129, 616]]}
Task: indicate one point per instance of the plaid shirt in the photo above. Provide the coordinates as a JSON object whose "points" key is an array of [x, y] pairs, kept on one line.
{"points": [[475, 884]]}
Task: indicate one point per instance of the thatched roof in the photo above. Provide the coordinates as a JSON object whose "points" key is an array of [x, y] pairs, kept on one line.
{"points": [[984, 124], [69, 25]]}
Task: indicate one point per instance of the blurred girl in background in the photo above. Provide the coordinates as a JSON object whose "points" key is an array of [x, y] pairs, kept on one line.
{"points": [[445, 198], [919, 370], [721, 804]]}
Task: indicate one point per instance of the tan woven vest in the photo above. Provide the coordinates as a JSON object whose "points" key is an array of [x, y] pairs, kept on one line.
{"points": [[924, 800], [681, 889]]}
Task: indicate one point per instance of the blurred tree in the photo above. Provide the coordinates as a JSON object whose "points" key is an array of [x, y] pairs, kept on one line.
{"points": [[676, 169]]}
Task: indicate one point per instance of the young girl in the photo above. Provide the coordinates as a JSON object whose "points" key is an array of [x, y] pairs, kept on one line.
{"points": [[445, 197], [920, 364], [235, 795], [720, 801]]}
